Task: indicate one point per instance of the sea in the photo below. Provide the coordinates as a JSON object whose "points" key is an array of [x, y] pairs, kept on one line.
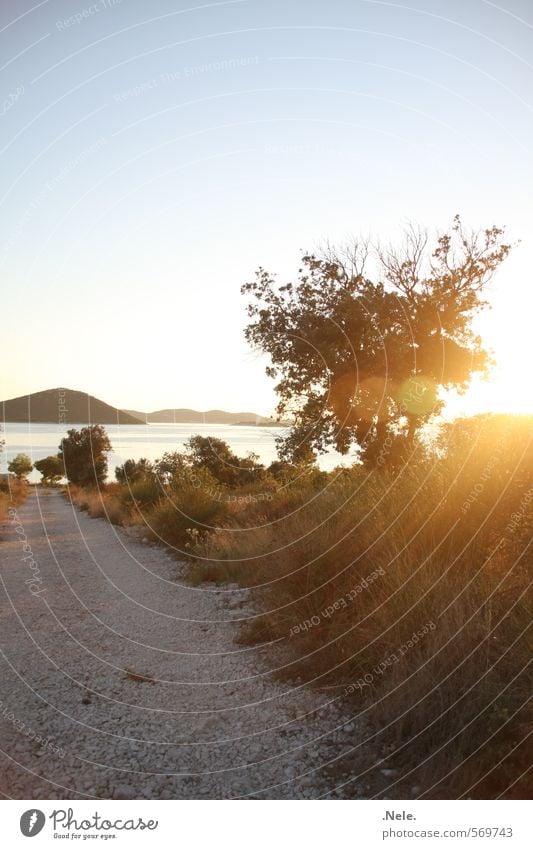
{"points": [[150, 441]]}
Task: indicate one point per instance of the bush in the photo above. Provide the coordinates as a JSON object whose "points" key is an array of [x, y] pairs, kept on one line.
{"points": [[143, 493], [133, 470], [188, 512]]}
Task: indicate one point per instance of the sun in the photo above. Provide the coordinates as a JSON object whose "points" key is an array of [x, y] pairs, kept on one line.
{"points": [[505, 333], [505, 391]]}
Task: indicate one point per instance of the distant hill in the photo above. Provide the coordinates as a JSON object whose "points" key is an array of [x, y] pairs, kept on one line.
{"points": [[69, 406], [137, 414], [186, 416], [63, 406]]}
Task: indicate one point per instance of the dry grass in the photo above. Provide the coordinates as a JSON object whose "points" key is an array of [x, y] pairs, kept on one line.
{"points": [[12, 493], [105, 503], [348, 578]]}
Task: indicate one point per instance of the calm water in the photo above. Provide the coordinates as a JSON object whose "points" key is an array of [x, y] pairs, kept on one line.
{"points": [[151, 441]]}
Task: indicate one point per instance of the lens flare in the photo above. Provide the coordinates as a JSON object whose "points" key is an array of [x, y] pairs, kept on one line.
{"points": [[417, 395]]}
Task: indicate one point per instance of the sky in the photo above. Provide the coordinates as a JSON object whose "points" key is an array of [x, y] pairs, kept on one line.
{"points": [[155, 155]]}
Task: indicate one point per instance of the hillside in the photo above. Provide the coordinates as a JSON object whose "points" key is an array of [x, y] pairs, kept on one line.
{"points": [[69, 406], [63, 406], [182, 415]]}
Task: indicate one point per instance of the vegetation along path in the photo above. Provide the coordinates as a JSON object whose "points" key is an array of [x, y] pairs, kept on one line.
{"points": [[120, 680]]}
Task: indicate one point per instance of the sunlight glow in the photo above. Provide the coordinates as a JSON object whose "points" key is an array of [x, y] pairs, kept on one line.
{"points": [[506, 392]]}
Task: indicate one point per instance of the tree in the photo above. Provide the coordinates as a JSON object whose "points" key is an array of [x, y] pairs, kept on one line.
{"points": [[20, 465], [83, 454], [173, 464], [133, 470], [216, 456], [361, 361], [51, 469]]}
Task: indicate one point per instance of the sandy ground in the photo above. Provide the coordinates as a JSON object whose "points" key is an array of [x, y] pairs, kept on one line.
{"points": [[82, 602]]}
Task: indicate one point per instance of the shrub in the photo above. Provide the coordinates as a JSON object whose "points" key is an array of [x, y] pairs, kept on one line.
{"points": [[143, 493], [133, 470], [188, 511]]}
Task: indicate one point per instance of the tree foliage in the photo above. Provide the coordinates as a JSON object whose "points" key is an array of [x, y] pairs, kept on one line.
{"points": [[133, 470], [51, 468], [83, 454], [203, 455], [227, 468], [20, 465], [172, 465], [361, 361]]}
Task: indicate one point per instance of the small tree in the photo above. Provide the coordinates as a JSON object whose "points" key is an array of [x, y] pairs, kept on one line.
{"points": [[133, 470], [216, 456], [83, 454], [21, 466], [172, 466], [51, 469]]}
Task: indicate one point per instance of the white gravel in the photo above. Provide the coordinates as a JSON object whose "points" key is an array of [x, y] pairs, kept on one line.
{"points": [[213, 722]]}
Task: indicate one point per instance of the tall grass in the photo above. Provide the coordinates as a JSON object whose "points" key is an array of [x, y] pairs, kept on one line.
{"points": [[103, 503], [406, 596], [12, 493]]}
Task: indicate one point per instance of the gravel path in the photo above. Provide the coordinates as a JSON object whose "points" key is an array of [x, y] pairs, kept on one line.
{"points": [[82, 603]]}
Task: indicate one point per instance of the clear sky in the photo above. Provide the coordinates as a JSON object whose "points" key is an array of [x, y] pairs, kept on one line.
{"points": [[155, 154]]}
